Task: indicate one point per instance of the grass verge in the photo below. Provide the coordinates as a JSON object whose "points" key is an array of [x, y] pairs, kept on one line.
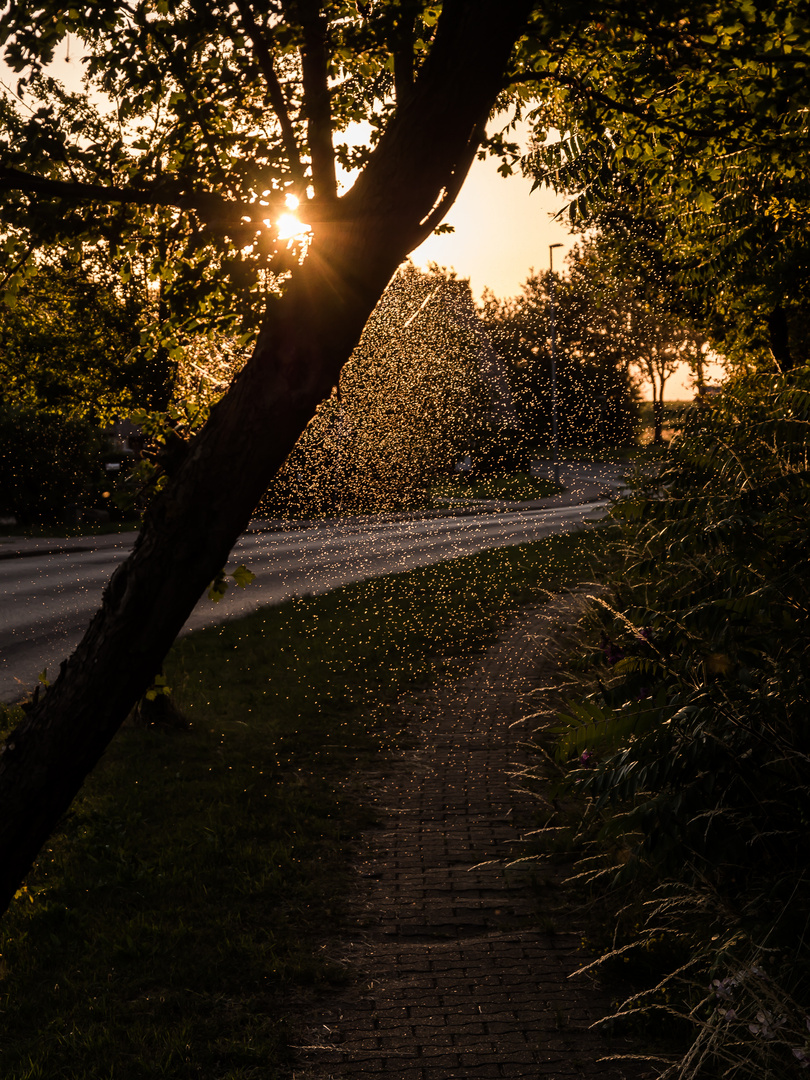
{"points": [[173, 922], [519, 486], [107, 528]]}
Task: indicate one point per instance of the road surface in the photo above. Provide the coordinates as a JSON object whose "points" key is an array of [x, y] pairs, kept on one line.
{"points": [[49, 590]]}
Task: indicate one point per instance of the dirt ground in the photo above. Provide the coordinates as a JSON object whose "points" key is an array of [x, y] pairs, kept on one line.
{"points": [[460, 961]]}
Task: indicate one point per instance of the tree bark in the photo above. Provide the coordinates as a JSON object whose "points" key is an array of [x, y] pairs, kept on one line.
{"points": [[658, 416], [779, 333], [307, 335]]}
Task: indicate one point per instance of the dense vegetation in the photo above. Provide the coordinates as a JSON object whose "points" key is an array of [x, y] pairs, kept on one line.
{"points": [[68, 368], [694, 745], [687, 149], [596, 384]]}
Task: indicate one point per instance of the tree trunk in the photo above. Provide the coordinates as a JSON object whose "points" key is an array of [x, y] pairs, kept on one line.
{"points": [[779, 332], [658, 417], [307, 336]]}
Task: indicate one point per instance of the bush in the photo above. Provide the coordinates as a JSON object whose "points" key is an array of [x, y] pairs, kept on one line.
{"points": [[694, 747], [47, 463]]}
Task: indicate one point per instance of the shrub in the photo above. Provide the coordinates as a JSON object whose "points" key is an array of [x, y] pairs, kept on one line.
{"points": [[694, 747], [47, 463]]}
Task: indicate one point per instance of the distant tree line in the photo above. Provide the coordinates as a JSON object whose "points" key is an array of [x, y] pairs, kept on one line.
{"points": [[68, 365], [433, 380]]}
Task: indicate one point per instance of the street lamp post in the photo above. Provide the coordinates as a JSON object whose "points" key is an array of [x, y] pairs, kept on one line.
{"points": [[554, 424]]}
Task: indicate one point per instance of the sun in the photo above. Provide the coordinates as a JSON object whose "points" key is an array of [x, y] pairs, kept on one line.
{"points": [[289, 225], [290, 228]]}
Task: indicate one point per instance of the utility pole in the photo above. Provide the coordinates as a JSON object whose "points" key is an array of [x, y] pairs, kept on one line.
{"points": [[554, 424]]}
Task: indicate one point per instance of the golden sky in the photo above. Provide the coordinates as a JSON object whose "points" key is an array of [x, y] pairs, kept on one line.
{"points": [[503, 232]]}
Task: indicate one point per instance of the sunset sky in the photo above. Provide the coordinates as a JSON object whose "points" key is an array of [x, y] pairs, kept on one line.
{"points": [[503, 231]]}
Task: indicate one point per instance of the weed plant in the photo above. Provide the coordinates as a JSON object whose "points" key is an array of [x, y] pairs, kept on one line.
{"points": [[175, 923], [693, 747]]}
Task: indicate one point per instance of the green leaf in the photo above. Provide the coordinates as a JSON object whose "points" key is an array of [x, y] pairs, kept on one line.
{"points": [[218, 587], [242, 576]]}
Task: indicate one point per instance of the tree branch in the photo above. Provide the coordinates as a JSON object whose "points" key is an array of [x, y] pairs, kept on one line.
{"points": [[216, 212], [421, 159], [176, 62], [575, 83], [275, 92], [317, 102], [624, 107], [450, 192]]}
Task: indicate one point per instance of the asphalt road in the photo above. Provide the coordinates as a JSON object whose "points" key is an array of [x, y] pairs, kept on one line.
{"points": [[49, 590]]}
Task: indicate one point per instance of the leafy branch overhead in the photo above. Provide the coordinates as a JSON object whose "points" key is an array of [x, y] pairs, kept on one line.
{"points": [[204, 142], [686, 139]]}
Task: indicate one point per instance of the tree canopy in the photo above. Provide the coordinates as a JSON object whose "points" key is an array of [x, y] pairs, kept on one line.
{"points": [[686, 140], [594, 384], [68, 344], [198, 125], [69, 366]]}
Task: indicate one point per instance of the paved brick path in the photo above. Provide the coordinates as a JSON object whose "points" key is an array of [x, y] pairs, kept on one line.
{"points": [[455, 976]]}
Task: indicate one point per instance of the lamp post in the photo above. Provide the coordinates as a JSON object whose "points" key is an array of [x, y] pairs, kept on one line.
{"points": [[554, 425]]}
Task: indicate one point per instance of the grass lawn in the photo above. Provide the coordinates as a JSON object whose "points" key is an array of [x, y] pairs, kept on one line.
{"points": [[173, 922], [518, 486], [107, 528]]}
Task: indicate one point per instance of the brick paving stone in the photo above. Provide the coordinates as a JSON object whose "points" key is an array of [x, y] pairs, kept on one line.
{"points": [[454, 980], [432, 1038]]}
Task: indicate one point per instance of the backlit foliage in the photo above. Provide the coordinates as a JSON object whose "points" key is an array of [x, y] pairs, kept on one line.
{"points": [[68, 367], [687, 140], [595, 354]]}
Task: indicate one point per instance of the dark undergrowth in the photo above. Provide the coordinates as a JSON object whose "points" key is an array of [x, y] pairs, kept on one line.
{"points": [[689, 737]]}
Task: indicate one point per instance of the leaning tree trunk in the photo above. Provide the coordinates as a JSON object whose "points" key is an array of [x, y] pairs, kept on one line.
{"points": [[307, 336]]}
